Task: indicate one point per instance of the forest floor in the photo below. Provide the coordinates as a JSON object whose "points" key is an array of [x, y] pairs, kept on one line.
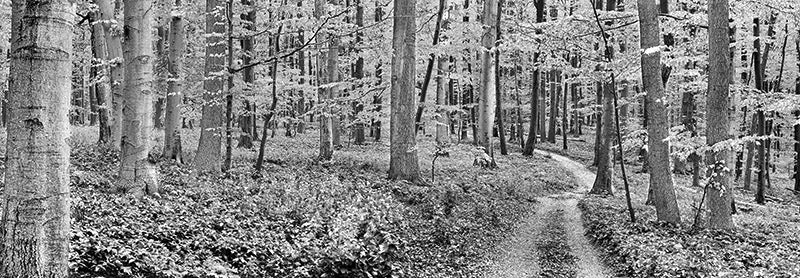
{"points": [[302, 218], [764, 243], [552, 241]]}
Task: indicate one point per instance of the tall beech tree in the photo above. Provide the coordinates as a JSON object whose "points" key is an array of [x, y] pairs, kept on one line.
{"points": [[603, 183], [403, 164], [248, 118], [36, 220], [136, 174], [486, 98], [718, 191], [324, 76], [112, 31], [657, 127], [209, 149], [535, 76], [172, 115], [99, 74]]}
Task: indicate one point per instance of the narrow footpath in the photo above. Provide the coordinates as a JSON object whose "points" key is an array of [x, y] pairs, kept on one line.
{"points": [[551, 242]]}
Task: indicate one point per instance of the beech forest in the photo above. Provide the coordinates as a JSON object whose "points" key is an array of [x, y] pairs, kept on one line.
{"points": [[399, 138]]}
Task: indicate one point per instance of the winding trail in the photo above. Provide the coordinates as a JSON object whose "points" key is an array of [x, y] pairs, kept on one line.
{"points": [[521, 255]]}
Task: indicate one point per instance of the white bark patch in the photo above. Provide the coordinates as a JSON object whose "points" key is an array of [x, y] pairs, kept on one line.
{"points": [[654, 49]]}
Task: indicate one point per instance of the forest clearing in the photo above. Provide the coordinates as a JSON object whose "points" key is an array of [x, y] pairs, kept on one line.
{"points": [[400, 138]]}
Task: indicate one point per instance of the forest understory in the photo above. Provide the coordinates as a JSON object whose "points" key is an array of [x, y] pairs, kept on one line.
{"points": [[302, 218], [764, 244]]}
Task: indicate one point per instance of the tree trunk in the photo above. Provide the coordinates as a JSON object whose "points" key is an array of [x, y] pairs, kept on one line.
{"points": [[497, 85], [486, 100], [226, 163], [553, 81], [760, 118], [603, 183], [36, 220], [272, 107], [718, 193], [358, 74], [209, 156], [531, 141], [137, 175], [113, 32], [429, 69], [657, 128], [797, 114], [160, 59], [442, 116], [324, 76], [102, 88], [172, 117], [403, 164], [248, 117]]}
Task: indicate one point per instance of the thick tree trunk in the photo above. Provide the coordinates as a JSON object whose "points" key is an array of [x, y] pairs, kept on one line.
{"points": [[113, 32], [172, 117], [719, 195], [324, 76], [209, 149], [486, 99], [102, 87], [137, 175], [603, 183], [531, 141], [36, 221], [657, 128], [403, 164]]}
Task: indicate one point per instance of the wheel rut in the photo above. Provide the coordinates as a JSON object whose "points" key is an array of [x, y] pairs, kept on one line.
{"points": [[551, 241]]}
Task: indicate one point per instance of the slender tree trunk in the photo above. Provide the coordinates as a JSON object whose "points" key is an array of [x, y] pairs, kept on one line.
{"points": [[113, 32], [248, 118], [797, 114], [553, 81], [403, 164], [442, 116], [172, 117], [102, 87], [272, 107], [564, 118], [534, 122], [36, 220], [226, 163], [486, 100], [718, 193], [209, 149], [160, 59], [429, 69], [657, 128], [137, 175], [358, 74], [760, 118], [497, 85]]}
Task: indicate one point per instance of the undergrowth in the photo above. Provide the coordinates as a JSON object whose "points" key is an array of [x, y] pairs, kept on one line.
{"points": [[299, 218]]}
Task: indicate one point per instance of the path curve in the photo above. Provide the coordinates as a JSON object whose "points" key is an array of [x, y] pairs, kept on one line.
{"points": [[518, 255]]}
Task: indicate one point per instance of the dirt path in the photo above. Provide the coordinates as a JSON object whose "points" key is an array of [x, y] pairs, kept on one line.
{"points": [[551, 242]]}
